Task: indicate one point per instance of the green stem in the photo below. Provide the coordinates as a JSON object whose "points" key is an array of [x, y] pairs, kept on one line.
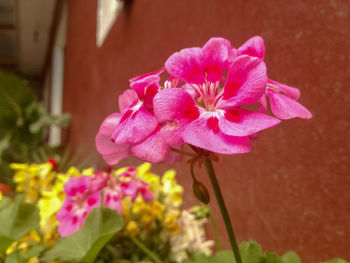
{"points": [[145, 250], [215, 229], [222, 206]]}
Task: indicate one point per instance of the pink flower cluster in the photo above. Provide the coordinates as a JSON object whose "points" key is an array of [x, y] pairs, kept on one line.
{"points": [[84, 194], [200, 103]]}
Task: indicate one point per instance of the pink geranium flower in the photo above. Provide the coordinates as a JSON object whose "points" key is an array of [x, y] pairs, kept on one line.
{"points": [[113, 194], [202, 104], [283, 98], [133, 186], [77, 205], [207, 106]]}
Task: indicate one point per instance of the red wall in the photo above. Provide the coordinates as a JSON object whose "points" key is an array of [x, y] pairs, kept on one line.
{"points": [[292, 192]]}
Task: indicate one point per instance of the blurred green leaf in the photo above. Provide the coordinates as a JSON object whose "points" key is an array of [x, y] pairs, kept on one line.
{"points": [[335, 260], [250, 252], [200, 258], [290, 257], [224, 256], [17, 218], [20, 257], [23, 123], [269, 257], [85, 244]]}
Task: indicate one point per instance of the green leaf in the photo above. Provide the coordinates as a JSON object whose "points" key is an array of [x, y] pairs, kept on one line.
{"points": [[271, 258], [199, 258], [20, 257], [85, 244], [250, 252], [17, 218], [4, 202], [224, 256], [290, 257], [4, 244], [14, 258], [15, 96], [335, 260], [34, 251]]}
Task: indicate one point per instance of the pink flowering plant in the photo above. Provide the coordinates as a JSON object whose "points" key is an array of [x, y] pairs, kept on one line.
{"points": [[84, 193], [199, 98]]}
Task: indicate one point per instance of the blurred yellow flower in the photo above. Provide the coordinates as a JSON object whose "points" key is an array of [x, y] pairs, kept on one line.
{"points": [[132, 228], [172, 190], [170, 223], [143, 173], [33, 179], [157, 209]]}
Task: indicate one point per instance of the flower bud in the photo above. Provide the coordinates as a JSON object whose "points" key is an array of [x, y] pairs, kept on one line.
{"points": [[201, 192]]}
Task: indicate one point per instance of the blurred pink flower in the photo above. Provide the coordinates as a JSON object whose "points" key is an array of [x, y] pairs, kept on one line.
{"points": [[113, 194], [133, 186], [77, 205]]}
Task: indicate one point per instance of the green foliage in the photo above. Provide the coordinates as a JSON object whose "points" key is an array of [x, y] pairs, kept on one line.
{"points": [[251, 253], [336, 260], [22, 122], [17, 218], [85, 244], [290, 257], [20, 257]]}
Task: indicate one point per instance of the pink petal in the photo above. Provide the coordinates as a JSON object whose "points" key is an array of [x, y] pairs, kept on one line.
{"points": [[153, 149], [171, 132], [69, 225], [111, 152], [145, 76], [175, 103], [147, 195], [198, 133], [112, 199], [69, 222], [253, 47], [263, 104], [173, 157], [126, 99], [92, 201], [289, 91], [140, 83], [116, 157], [66, 209], [187, 65], [240, 122], [77, 185], [104, 143], [109, 124], [245, 83], [130, 188], [98, 181], [134, 126], [284, 107], [217, 53]]}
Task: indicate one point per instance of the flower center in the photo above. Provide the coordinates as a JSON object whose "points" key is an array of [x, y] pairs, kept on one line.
{"points": [[208, 94]]}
